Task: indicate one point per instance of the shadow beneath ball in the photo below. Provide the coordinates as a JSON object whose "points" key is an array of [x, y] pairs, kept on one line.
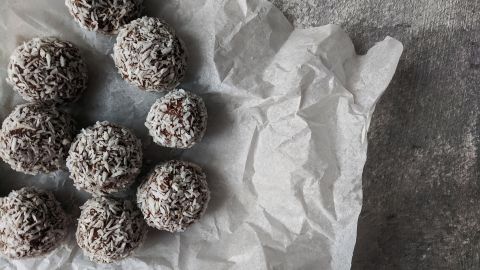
{"points": [[219, 122], [218, 189]]}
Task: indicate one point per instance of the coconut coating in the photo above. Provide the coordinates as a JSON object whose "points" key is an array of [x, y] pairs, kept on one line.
{"points": [[35, 138], [174, 196], [110, 230], [149, 55], [104, 16], [47, 70], [32, 223], [104, 158], [177, 120]]}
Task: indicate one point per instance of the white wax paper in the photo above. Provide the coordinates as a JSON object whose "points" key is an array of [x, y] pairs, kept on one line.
{"points": [[289, 111]]}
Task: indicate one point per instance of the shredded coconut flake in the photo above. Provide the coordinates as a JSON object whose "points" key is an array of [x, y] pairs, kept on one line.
{"points": [[110, 230], [177, 120], [35, 138], [47, 70], [104, 16], [104, 158], [32, 223], [174, 196], [149, 55]]}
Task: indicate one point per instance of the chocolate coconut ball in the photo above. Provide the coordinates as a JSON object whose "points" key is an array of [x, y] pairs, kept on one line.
{"points": [[35, 138], [174, 196], [47, 70], [104, 16], [104, 158], [110, 230], [177, 120], [32, 223], [149, 55]]}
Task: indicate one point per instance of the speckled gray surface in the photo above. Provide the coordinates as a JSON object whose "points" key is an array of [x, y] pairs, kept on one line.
{"points": [[421, 181]]}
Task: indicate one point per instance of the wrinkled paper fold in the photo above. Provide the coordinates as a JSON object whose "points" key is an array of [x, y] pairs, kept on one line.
{"points": [[289, 111]]}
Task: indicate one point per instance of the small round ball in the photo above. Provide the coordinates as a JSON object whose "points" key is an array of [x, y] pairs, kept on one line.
{"points": [[174, 196], [104, 158], [109, 230], [149, 55], [35, 138], [177, 120], [104, 16], [32, 223], [47, 70]]}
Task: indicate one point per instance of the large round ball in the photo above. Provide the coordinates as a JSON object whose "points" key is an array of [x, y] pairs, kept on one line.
{"points": [[104, 16], [32, 223], [47, 70], [149, 55], [177, 120], [110, 230], [174, 196], [104, 158], [35, 138]]}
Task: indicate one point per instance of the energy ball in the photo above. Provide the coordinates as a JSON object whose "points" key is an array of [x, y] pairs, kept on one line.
{"points": [[104, 16], [47, 70], [177, 120], [35, 138], [174, 196], [104, 158], [149, 55], [109, 230], [32, 223]]}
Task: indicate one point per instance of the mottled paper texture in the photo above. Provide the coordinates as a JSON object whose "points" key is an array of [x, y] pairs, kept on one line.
{"points": [[286, 143]]}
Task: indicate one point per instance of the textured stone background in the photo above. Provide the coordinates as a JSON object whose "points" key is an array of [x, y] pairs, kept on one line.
{"points": [[421, 181]]}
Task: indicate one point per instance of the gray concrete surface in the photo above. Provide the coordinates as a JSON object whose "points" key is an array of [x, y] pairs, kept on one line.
{"points": [[421, 181]]}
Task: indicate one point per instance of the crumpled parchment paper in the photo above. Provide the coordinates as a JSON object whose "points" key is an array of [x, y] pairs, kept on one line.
{"points": [[289, 111]]}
